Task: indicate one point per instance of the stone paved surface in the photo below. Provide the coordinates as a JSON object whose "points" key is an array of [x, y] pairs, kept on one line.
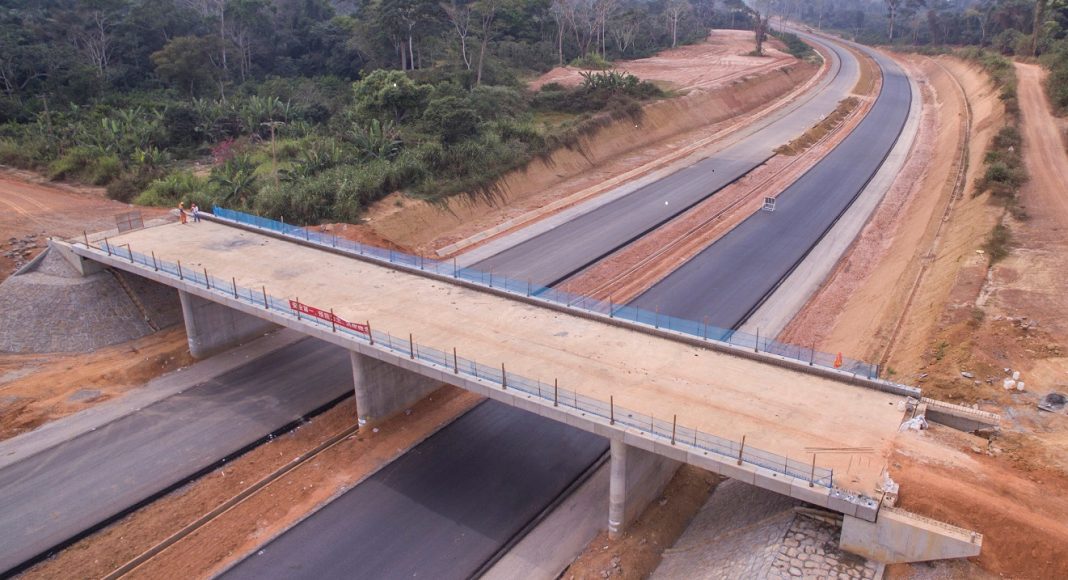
{"points": [[810, 550], [52, 308], [746, 532]]}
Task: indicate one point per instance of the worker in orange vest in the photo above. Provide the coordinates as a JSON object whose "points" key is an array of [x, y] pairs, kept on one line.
{"points": [[838, 361]]}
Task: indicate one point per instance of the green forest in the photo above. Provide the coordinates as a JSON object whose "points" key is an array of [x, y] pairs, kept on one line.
{"points": [[313, 109], [1013, 28]]}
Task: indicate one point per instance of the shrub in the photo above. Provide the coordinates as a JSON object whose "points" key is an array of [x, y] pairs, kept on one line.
{"points": [[794, 45], [451, 119], [998, 243], [179, 186], [592, 61], [86, 165], [130, 184], [11, 153]]}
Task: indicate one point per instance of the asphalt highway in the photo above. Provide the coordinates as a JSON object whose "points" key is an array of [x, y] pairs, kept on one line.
{"points": [[57, 494], [729, 280], [553, 256], [443, 509]]}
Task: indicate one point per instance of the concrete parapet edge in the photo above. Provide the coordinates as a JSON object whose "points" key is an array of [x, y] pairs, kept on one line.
{"points": [[780, 361]]}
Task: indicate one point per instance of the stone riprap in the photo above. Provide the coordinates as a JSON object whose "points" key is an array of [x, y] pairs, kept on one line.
{"points": [[52, 308], [743, 531]]}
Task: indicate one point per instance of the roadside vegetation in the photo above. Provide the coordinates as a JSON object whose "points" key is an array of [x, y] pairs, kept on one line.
{"points": [[1010, 28], [312, 109]]}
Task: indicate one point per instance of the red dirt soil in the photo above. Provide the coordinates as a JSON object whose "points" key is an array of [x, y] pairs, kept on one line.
{"points": [[719, 60], [31, 206]]}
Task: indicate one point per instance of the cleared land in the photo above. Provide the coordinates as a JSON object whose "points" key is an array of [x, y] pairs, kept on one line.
{"points": [[778, 411], [721, 59]]}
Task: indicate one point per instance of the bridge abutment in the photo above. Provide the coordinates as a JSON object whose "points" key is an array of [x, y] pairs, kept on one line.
{"points": [[212, 327], [636, 478], [383, 389]]}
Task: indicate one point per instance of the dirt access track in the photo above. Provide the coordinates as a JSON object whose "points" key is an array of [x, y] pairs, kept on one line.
{"points": [[31, 210]]}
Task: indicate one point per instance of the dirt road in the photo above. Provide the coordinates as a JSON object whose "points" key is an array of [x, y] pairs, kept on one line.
{"points": [[30, 211], [1046, 161]]}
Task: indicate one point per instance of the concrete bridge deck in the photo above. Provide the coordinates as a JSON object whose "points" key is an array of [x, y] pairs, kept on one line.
{"points": [[775, 409]]}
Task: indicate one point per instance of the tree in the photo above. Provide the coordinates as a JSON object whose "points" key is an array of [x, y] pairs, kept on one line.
{"points": [[248, 18], [486, 13], [181, 62], [675, 9], [460, 17], [898, 8], [388, 95], [93, 38]]}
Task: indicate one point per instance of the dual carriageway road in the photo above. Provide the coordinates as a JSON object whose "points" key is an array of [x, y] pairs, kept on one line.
{"points": [[547, 258]]}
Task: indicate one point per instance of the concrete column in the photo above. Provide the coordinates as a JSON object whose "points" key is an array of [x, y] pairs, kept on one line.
{"points": [[383, 389], [212, 327], [637, 478], [617, 489]]}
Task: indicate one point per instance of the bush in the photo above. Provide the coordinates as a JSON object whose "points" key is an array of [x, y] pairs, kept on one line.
{"points": [[130, 184], [592, 61], [998, 243], [179, 186], [451, 119], [13, 154], [180, 123], [86, 165], [794, 45]]}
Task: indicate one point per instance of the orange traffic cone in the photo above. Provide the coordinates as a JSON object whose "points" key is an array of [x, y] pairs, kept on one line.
{"points": [[838, 361]]}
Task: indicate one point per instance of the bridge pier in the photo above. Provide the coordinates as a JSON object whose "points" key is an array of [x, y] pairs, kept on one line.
{"points": [[212, 327], [383, 389], [636, 478]]}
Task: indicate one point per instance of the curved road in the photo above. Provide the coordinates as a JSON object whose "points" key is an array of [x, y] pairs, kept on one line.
{"points": [[557, 254], [729, 280]]}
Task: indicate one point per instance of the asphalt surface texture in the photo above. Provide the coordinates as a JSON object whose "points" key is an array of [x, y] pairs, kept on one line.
{"points": [[443, 509], [57, 494], [551, 257], [729, 280]]}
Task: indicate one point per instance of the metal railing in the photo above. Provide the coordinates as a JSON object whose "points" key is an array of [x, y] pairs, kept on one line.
{"points": [[547, 394], [656, 320]]}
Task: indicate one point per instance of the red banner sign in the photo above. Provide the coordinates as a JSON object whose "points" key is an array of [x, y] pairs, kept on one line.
{"points": [[327, 316]]}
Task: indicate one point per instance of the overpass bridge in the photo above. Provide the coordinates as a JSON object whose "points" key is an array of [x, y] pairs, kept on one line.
{"points": [[660, 389]]}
